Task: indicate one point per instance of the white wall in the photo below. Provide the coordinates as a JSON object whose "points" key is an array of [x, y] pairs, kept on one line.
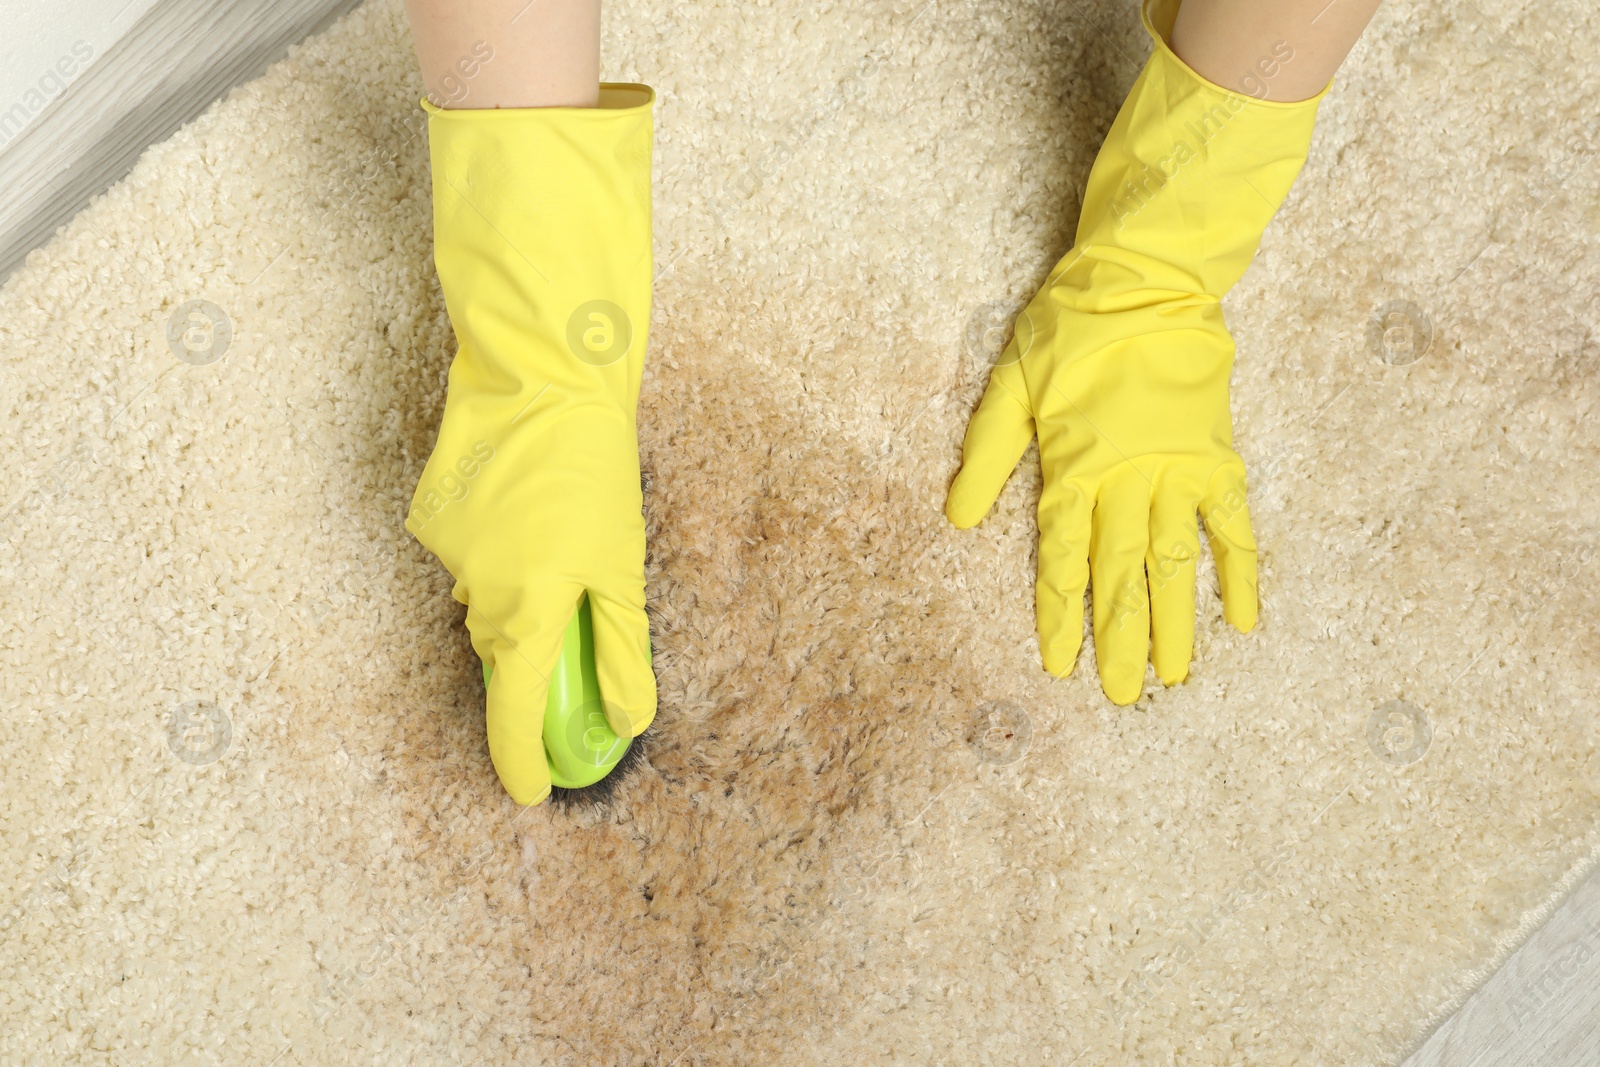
{"points": [[47, 44]]}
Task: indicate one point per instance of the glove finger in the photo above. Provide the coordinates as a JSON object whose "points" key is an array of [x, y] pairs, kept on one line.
{"points": [[622, 662], [1064, 517], [996, 438], [1169, 569], [1233, 545], [519, 683], [1120, 537]]}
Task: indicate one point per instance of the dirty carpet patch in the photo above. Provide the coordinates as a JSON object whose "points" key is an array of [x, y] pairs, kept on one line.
{"points": [[249, 816]]}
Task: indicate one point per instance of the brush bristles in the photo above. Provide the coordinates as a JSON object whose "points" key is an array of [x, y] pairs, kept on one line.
{"points": [[602, 792]]}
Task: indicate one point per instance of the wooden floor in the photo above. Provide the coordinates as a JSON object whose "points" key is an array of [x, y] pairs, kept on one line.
{"points": [[1542, 1008]]}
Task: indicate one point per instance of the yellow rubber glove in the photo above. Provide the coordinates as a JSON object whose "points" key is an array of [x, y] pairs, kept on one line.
{"points": [[532, 496], [1121, 365]]}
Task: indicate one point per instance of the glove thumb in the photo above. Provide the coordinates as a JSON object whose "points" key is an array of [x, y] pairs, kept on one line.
{"points": [[997, 437]]}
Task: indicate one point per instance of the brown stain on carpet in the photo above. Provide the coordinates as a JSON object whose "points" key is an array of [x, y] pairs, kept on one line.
{"points": [[803, 654], [238, 538]]}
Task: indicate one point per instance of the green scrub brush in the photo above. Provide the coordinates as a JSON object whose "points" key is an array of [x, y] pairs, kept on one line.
{"points": [[586, 757]]}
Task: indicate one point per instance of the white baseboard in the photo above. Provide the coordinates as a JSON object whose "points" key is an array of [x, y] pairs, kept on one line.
{"points": [[169, 66]]}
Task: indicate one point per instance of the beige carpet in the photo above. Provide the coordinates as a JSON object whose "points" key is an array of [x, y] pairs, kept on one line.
{"points": [[248, 813]]}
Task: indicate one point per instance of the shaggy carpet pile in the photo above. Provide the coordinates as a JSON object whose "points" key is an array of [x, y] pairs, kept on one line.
{"points": [[249, 815]]}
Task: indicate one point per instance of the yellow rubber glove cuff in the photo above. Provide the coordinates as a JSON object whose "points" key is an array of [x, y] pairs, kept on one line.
{"points": [[532, 497], [1121, 365]]}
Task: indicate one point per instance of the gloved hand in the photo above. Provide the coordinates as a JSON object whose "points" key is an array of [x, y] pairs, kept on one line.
{"points": [[531, 497], [1121, 364]]}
